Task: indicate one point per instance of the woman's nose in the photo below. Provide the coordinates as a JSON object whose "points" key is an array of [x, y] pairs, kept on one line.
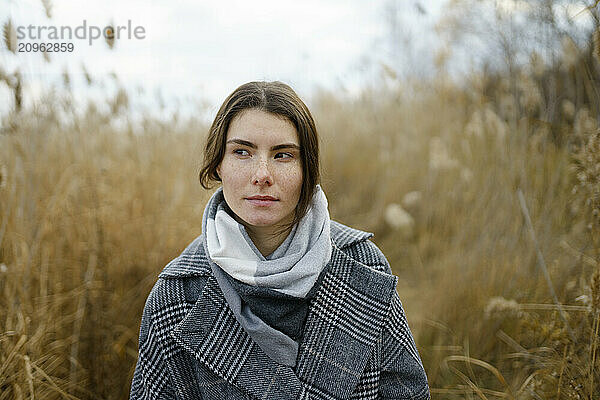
{"points": [[262, 175]]}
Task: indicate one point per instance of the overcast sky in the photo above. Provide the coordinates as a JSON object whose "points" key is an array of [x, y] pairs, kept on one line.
{"points": [[202, 50]]}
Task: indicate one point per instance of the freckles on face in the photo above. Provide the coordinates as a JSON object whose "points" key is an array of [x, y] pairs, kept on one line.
{"points": [[261, 170]]}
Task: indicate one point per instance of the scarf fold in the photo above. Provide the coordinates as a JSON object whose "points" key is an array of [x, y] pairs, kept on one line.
{"points": [[268, 295]]}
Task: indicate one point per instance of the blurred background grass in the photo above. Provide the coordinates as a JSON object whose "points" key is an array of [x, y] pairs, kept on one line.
{"points": [[92, 206]]}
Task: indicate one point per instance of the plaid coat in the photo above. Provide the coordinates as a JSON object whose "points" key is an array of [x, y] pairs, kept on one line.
{"points": [[356, 345]]}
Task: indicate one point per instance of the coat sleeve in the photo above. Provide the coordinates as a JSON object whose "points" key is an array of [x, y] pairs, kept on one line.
{"points": [[151, 379], [402, 375]]}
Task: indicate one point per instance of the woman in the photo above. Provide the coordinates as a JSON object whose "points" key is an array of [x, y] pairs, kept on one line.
{"points": [[274, 300]]}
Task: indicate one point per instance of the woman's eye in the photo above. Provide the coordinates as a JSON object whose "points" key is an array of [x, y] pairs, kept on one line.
{"points": [[241, 152], [283, 155]]}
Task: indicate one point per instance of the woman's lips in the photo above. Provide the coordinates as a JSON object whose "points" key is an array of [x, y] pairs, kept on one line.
{"points": [[262, 201]]}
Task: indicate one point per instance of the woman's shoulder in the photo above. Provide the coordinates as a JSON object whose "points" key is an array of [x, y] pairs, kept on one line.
{"points": [[178, 286], [344, 236], [357, 245], [191, 262], [182, 279]]}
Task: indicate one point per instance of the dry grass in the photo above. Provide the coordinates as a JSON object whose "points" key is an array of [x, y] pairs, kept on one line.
{"points": [[91, 209], [89, 214], [486, 323]]}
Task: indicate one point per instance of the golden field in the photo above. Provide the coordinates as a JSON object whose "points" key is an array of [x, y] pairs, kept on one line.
{"points": [[447, 176]]}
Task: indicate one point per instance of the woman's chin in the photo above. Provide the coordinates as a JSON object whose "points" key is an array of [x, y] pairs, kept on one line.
{"points": [[263, 223]]}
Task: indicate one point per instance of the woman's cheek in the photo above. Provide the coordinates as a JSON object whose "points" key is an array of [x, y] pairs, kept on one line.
{"points": [[293, 177], [231, 168]]}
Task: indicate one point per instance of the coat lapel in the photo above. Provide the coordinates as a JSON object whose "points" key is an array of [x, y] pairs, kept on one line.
{"points": [[342, 327], [212, 334]]}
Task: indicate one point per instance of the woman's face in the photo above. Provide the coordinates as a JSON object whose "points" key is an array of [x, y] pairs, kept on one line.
{"points": [[261, 170]]}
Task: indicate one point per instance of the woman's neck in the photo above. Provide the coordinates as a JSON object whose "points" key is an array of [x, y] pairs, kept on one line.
{"points": [[267, 238]]}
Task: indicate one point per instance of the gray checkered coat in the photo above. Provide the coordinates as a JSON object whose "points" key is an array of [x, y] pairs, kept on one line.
{"points": [[356, 345]]}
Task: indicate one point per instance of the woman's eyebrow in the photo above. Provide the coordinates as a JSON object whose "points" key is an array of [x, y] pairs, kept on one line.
{"points": [[286, 146], [253, 146]]}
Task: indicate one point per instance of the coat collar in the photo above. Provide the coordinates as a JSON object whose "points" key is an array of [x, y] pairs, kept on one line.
{"points": [[344, 321]]}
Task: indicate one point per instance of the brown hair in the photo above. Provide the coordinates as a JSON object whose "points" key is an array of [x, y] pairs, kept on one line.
{"points": [[275, 98]]}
